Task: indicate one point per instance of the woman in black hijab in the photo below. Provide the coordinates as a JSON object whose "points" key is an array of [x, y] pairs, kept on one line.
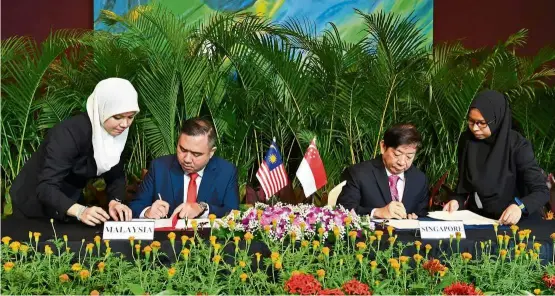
{"points": [[498, 173]]}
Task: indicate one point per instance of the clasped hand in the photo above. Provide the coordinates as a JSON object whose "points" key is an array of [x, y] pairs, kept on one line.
{"points": [[96, 215]]}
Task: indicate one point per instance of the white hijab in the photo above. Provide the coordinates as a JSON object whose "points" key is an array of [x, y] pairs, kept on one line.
{"points": [[110, 97]]}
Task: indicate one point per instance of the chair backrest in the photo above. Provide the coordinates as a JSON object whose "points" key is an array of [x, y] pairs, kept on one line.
{"points": [[334, 193]]}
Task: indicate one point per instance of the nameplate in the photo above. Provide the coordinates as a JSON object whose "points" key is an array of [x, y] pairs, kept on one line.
{"points": [[441, 229], [143, 230]]}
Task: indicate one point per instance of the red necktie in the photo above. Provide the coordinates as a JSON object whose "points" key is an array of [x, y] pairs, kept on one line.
{"points": [[192, 190], [393, 187]]}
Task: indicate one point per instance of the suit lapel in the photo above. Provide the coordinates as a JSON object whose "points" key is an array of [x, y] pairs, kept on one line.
{"points": [[176, 174], [381, 178], [207, 182]]}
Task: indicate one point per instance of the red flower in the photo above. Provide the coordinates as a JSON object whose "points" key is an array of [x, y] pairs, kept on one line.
{"points": [[331, 292], [549, 281], [459, 288], [354, 287], [303, 284], [433, 266]]}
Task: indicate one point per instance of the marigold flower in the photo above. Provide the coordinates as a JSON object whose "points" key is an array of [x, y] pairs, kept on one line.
{"points": [[147, 250], [15, 246], [171, 236], [194, 224], [321, 231], [64, 278], [97, 239], [361, 246], [296, 272], [428, 247], [8, 266], [84, 274], [107, 243], [243, 277], [433, 266], [132, 241], [305, 244], [391, 240], [466, 256], [347, 220], [514, 229], [499, 239], [521, 235], [274, 256], [326, 251], [89, 248], [537, 291], [36, 235], [258, 256], [171, 272], [417, 244], [184, 239], [503, 254], [537, 246], [231, 224], [155, 245], [23, 249], [522, 246], [94, 293], [48, 250], [321, 273], [373, 265], [390, 230], [212, 239], [76, 267], [248, 236], [315, 244], [185, 252], [458, 235], [417, 258], [291, 218], [353, 234], [404, 259], [30, 235], [242, 264], [528, 232], [517, 253], [267, 228], [137, 248], [293, 235], [372, 238], [217, 259], [379, 234], [278, 265], [359, 257], [211, 218], [495, 227], [6, 240], [336, 231]]}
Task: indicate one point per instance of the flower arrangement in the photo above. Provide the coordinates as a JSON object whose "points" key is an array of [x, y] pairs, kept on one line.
{"points": [[296, 222], [375, 263]]}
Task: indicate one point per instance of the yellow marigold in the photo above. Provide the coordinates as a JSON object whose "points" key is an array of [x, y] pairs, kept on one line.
{"points": [[326, 251], [305, 244], [517, 253], [353, 234], [428, 247], [503, 253], [347, 220], [458, 235], [417, 258], [514, 229], [64, 278], [390, 230], [15, 246], [395, 265], [212, 240], [242, 264], [274, 256], [248, 236], [171, 236], [528, 232], [67, 250], [521, 235], [274, 223], [89, 247], [321, 231], [184, 239], [212, 218], [495, 227], [500, 239], [315, 244], [373, 264], [267, 228], [522, 246], [293, 235], [147, 249], [217, 247], [537, 246], [231, 224], [361, 246], [132, 240], [36, 235], [76, 267], [217, 259], [236, 239], [23, 249], [258, 255], [97, 239], [6, 240], [379, 234], [417, 244], [537, 291], [391, 240], [404, 259], [8, 266], [259, 213], [278, 265], [137, 248], [302, 225], [30, 235], [336, 231], [372, 239], [48, 250], [171, 272], [243, 277], [359, 257], [466, 256], [194, 224], [84, 274], [236, 213], [321, 273], [185, 252], [107, 243], [291, 218], [94, 293]]}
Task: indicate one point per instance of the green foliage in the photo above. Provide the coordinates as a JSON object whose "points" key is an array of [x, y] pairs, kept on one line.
{"points": [[258, 80]]}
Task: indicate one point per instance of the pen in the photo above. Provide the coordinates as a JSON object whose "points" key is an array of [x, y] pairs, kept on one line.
{"points": [[160, 198]]}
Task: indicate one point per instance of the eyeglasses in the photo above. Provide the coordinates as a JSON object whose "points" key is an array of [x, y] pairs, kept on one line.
{"points": [[482, 124]]}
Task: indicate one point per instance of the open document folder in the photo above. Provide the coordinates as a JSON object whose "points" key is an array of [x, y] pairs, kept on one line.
{"points": [[467, 217], [175, 223]]}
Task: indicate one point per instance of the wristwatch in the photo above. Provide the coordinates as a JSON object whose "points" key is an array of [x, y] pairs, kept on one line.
{"points": [[203, 206], [520, 204]]}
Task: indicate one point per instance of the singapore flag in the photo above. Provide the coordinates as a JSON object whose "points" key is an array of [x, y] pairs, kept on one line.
{"points": [[311, 172]]}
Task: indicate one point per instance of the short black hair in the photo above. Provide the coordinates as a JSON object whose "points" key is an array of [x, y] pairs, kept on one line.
{"points": [[402, 134], [197, 126]]}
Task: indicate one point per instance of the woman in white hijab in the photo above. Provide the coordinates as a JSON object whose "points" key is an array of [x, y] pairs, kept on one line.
{"points": [[81, 148]]}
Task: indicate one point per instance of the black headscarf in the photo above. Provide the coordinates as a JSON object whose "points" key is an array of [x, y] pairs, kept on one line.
{"points": [[484, 165]]}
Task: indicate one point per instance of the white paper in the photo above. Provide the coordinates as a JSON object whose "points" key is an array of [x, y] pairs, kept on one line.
{"points": [[404, 224], [467, 217]]}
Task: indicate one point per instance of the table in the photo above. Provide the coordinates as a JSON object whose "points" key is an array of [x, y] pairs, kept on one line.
{"points": [[18, 229]]}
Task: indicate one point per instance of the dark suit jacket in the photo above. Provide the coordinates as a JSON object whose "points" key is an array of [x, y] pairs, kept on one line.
{"points": [[367, 188], [218, 187], [52, 180]]}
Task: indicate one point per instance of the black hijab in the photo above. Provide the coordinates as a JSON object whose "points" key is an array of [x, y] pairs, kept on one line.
{"points": [[484, 165]]}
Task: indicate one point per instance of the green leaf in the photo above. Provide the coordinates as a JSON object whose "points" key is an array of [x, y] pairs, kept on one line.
{"points": [[136, 289]]}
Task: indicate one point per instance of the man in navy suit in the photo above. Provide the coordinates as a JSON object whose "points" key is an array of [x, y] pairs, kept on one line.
{"points": [[388, 186], [191, 183]]}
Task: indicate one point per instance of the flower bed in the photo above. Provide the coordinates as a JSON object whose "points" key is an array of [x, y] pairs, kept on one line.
{"points": [[345, 264]]}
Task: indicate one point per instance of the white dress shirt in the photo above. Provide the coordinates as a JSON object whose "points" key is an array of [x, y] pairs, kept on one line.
{"points": [[186, 180], [400, 187]]}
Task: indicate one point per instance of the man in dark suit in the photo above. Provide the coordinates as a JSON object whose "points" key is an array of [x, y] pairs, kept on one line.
{"points": [[191, 183], [388, 186]]}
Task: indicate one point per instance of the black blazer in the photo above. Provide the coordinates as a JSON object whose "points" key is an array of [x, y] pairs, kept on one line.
{"points": [[52, 180], [367, 188]]}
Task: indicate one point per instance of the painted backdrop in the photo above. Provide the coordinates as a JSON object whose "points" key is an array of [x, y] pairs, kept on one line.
{"points": [[320, 12]]}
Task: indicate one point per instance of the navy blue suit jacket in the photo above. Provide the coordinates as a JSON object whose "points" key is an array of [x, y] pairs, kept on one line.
{"points": [[367, 188], [218, 187]]}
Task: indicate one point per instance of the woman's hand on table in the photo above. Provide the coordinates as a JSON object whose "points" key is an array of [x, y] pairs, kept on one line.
{"points": [[119, 211]]}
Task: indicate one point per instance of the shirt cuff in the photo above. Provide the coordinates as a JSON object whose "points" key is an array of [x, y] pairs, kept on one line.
{"points": [[142, 215], [206, 213]]}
